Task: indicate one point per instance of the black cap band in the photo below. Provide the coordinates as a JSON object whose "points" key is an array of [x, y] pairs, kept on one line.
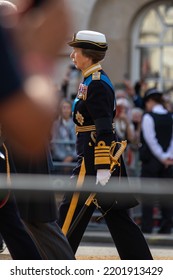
{"points": [[88, 45]]}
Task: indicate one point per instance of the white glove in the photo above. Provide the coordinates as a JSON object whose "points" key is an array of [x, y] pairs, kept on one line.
{"points": [[103, 176]]}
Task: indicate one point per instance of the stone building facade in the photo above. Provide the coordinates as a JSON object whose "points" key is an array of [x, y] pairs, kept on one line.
{"points": [[139, 34]]}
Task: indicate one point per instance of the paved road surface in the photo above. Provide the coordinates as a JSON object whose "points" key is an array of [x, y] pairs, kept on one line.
{"points": [[108, 251]]}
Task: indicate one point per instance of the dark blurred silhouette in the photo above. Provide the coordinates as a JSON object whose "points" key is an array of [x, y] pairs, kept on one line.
{"points": [[27, 107], [31, 40]]}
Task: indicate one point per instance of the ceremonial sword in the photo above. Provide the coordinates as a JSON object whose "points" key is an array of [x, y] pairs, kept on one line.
{"points": [[67, 229]]}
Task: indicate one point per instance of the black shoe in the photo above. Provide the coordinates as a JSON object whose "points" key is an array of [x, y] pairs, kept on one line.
{"points": [[165, 231], [2, 247], [166, 226], [146, 230]]}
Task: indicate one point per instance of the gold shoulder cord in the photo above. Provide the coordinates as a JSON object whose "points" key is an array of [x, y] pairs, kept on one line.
{"points": [[8, 176]]}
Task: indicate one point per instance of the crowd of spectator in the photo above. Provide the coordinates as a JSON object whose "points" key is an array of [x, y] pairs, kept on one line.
{"points": [[64, 138]]}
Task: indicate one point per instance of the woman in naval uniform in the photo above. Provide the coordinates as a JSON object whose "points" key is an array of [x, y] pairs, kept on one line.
{"points": [[93, 113]]}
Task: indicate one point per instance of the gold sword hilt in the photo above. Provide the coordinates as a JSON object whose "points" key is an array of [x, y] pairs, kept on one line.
{"points": [[114, 158]]}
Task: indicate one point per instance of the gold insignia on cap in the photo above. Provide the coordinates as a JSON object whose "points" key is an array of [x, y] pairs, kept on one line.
{"points": [[96, 76], [82, 92], [79, 118]]}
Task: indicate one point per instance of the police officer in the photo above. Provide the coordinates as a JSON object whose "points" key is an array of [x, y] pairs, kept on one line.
{"points": [[156, 154], [93, 113]]}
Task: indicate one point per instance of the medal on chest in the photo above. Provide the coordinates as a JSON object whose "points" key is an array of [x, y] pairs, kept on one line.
{"points": [[82, 92]]}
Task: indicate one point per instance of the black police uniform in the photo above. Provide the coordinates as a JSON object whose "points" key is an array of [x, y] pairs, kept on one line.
{"points": [[93, 115], [153, 168]]}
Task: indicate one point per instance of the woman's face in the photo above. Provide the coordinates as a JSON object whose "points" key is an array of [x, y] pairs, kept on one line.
{"points": [[149, 104], [66, 110], [80, 61]]}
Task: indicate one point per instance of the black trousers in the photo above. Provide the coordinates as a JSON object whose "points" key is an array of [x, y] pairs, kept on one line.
{"points": [[127, 236], [18, 241], [1, 239], [51, 242], [155, 169]]}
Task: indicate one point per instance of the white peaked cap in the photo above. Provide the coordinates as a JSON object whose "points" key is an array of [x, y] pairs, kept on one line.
{"points": [[88, 39]]}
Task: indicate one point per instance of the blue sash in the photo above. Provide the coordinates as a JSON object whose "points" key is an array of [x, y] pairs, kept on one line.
{"points": [[88, 81]]}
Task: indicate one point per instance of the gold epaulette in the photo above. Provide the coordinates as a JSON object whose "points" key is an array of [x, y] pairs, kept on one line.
{"points": [[96, 76]]}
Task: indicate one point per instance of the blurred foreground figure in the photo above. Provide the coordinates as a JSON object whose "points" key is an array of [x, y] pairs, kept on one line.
{"points": [[14, 233], [30, 40], [27, 116]]}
